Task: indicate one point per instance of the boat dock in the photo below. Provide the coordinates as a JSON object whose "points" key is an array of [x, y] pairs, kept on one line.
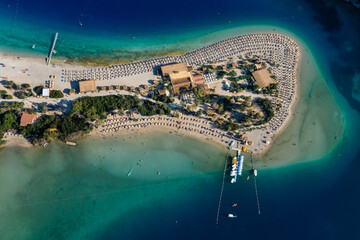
{"points": [[52, 49], [237, 166], [236, 169]]}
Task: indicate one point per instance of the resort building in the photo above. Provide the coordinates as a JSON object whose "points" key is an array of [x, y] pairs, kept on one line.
{"points": [[198, 79], [87, 86], [179, 76], [262, 78], [27, 118]]}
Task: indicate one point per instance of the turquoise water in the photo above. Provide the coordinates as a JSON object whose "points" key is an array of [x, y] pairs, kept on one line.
{"points": [[72, 193], [58, 193]]}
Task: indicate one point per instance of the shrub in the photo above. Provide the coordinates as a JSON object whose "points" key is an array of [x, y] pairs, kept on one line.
{"points": [[10, 85], [56, 94], [25, 85]]}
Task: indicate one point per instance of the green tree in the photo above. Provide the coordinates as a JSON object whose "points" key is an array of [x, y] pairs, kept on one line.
{"points": [[38, 90], [3, 92], [20, 94], [232, 73], [28, 130], [221, 74], [9, 121], [30, 111]]}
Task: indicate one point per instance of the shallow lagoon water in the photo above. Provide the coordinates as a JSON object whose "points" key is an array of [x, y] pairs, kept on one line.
{"points": [[57, 192], [87, 187]]}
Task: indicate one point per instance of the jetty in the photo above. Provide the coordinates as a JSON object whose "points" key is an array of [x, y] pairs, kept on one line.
{"points": [[52, 49]]}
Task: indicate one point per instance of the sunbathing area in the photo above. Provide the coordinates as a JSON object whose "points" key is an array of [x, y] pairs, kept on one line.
{"points": [[268, 46], [183, 124]]}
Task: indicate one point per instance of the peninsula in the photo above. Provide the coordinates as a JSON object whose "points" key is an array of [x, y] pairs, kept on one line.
{"points": [[238, 92]]}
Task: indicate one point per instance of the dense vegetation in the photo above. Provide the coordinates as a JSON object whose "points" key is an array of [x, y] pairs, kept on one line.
{"points": [[84, 110], [24, 94], [56, 94], [60, 127], [9, 117], [267, 107], [93, 107]]}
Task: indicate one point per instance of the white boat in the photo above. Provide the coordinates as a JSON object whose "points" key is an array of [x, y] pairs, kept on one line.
{"points": [[33, 46], [255, 172], [130, 171], [230, 215]]}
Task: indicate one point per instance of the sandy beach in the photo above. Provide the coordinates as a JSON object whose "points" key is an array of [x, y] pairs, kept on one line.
{"points": [[16, 140]]}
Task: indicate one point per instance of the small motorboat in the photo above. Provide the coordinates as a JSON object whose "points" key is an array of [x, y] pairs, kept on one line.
{"points": [[33, 46], [130, 171], [255, 172], [230, 215]]}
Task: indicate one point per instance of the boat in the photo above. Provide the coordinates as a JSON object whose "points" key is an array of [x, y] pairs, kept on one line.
{"points": [[70, 143], [33, 46], [255, 172], [230, 215], [130, 171]]}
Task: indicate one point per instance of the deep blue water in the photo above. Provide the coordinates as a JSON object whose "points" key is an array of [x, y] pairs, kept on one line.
{"points": [[311, 201]]}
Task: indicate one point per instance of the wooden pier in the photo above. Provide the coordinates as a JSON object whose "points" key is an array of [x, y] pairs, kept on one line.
{"points": [[52, 49]]}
